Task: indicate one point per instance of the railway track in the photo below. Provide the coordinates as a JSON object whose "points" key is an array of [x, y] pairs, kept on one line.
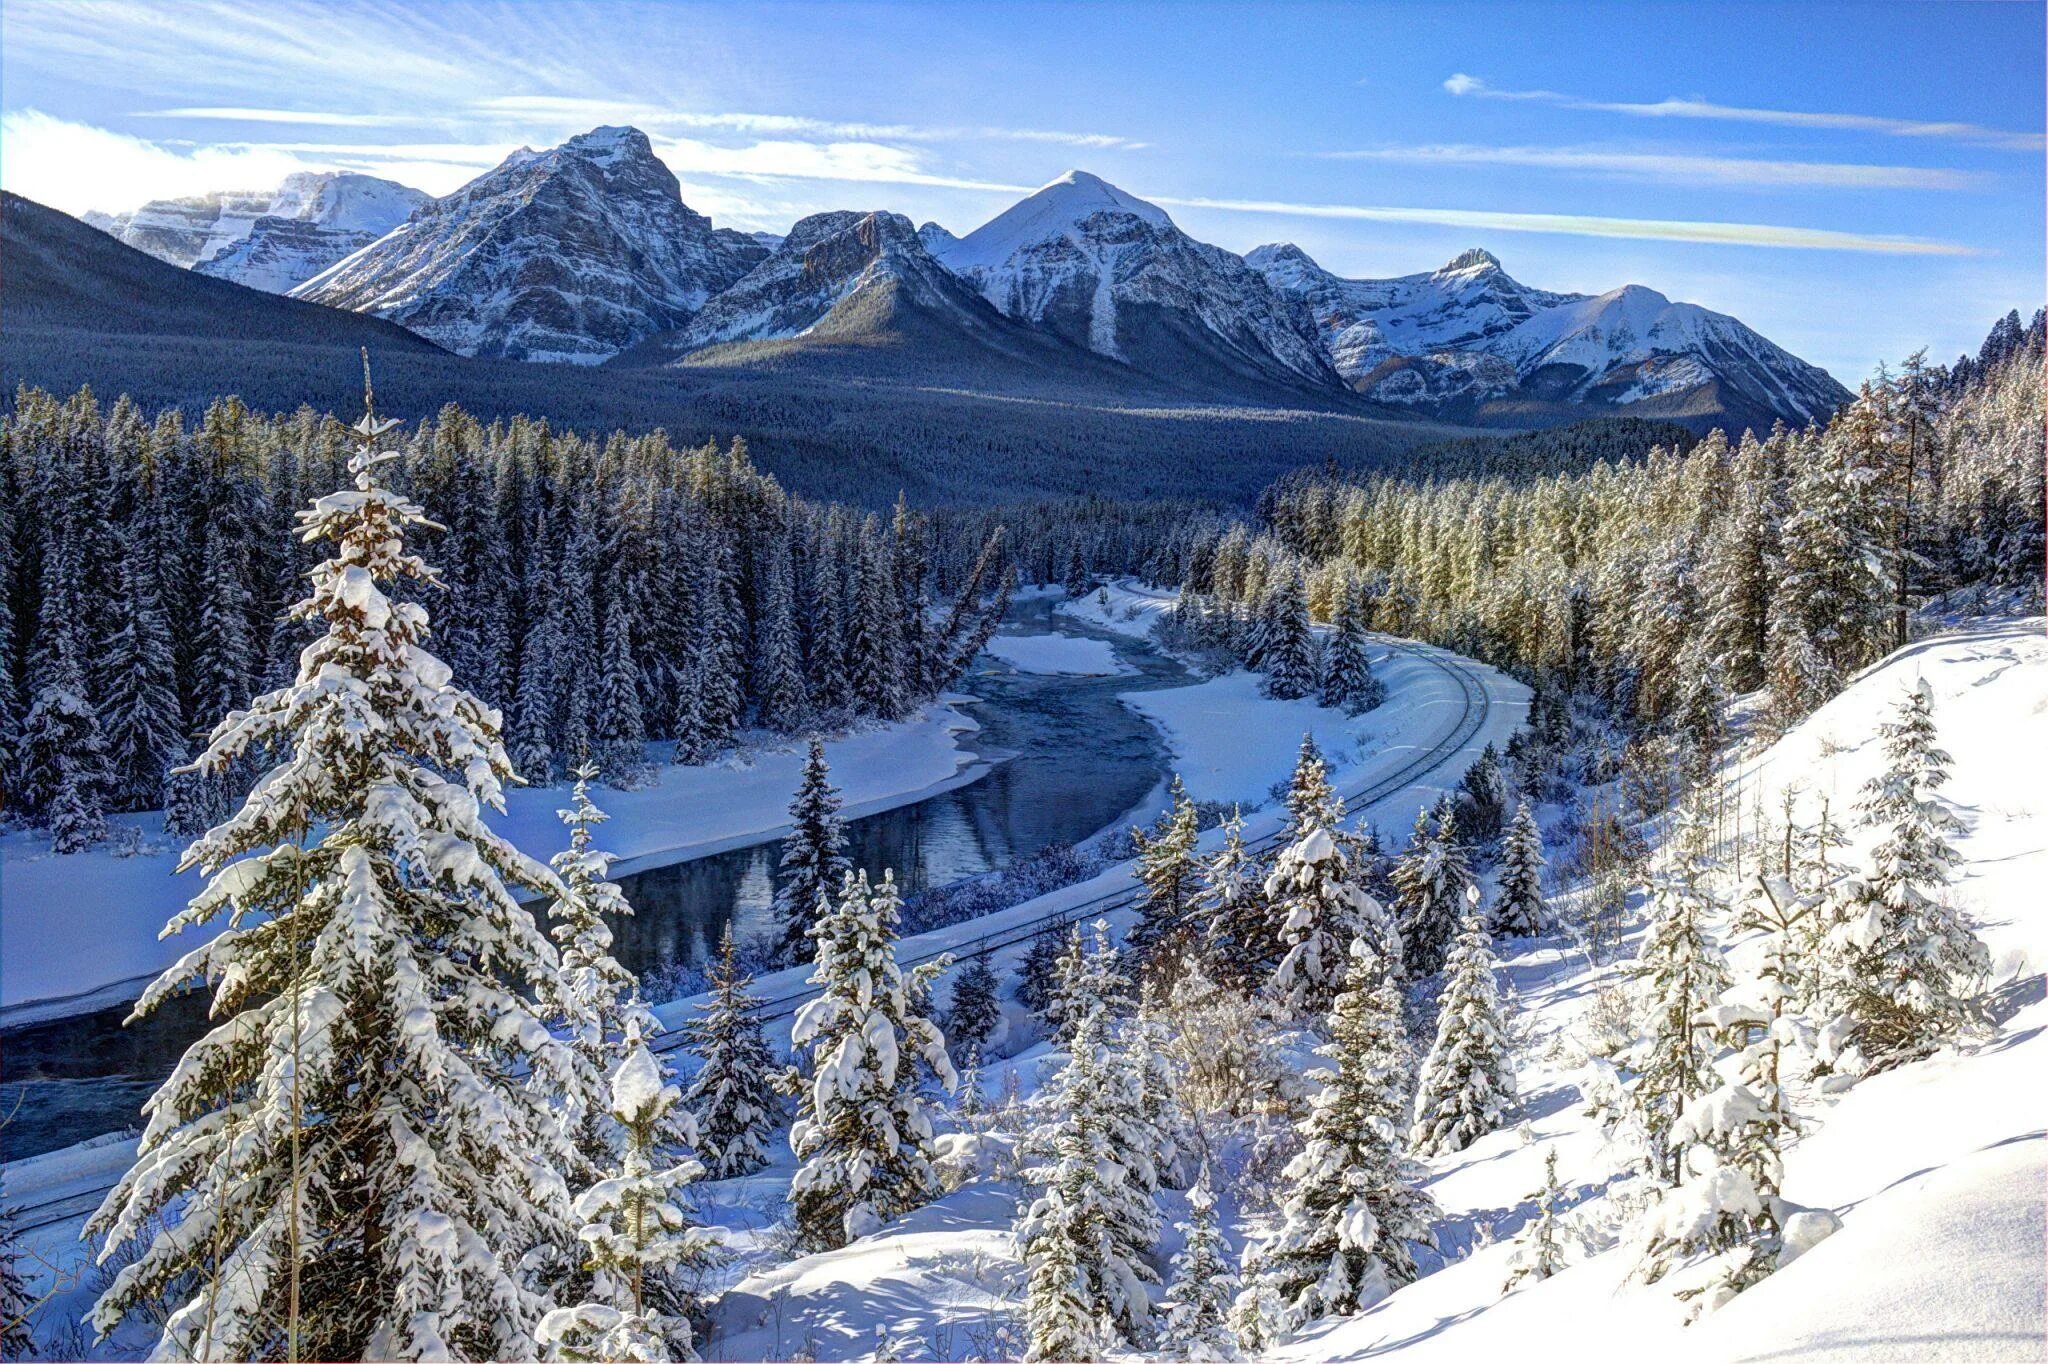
{"points": [[1475, 707]]}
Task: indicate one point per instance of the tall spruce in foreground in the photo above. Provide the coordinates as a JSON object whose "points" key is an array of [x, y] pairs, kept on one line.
{"points": [[634, 1233], [863, 1132], [1203, 1285], [365, 1137], [1915, 967], [1518, 908], [732, 1096], [1352, 1210], [814, 861], [602, 1000], [1468, 1079]]}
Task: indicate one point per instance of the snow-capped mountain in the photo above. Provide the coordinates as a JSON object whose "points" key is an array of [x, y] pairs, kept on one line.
{"points": [[1110, 272], [1453, 340], [573, 253], [268, 240]]}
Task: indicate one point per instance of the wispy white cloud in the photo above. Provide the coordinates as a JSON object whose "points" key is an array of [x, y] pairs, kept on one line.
{"points": [[651, 116], [1472, 86], [311, 118], [1678, 168], [1582, 225], [76, 167]]}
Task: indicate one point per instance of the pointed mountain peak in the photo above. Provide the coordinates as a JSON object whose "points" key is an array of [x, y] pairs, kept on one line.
{"points": [[606, 145], [1079, 193], [1474, 262]]}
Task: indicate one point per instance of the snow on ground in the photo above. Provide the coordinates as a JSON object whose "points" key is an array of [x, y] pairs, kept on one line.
{"points": [[1068, 655], [79, 932], [1134, 608]]}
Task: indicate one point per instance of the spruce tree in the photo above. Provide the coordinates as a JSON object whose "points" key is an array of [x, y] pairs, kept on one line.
{"points": [[1287, 655], [1234, 929], [635, 1234], [1039, 973], [1202, 1287], [863, 1130], [17, 1303], [1518, 908], [732, 1097], [1352, 1210], [621, 723], [977, 1005], [1349, 682], [359, 1135], [813, 862], [1468, 1078], [65, 757], [1539, 1250], [139, 691], [1430, 881], [1167, 871], [1321, 909]]}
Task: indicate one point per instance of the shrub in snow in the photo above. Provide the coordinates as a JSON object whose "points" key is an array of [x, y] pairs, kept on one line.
{"points": [[1353, 1209], [732, 1097], [813, 859], [1539, 1250], [863, 1131], [1468, 1078], [1518, 908], [373, 1107], [1719, 1224], [1202, 1287], [634, 1233]]}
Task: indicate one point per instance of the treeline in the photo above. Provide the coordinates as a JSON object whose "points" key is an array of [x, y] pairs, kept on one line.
{"points": [[600, 593], [1666, 584]]}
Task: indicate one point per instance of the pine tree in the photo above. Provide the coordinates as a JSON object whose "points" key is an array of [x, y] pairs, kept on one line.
{"points": [[17, 1303], [1352, 1211], [621, 722], [1349, 682], [1059, 1318], [864, 1128], [66, 757], [1315, 895], [1234, 928], [601, 1004], [1288, 653], [977, 1005], [1089, 978], [1203, 1285], [1539, 1250], [635, 1232], [1430, 881], [356, 1121], [1680, 978], [732, 1098], [778, 660], [1518, 908], [139, 691], [1468, 1079], [1038, 974], [814, 859], [1483, 796], [1167, 870], [1722, 1208], [1915, 968], [1147, 1057], [190, 807]]}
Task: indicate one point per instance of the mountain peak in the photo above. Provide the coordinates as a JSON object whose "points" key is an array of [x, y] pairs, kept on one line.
{"points": [[1080, 193], [1475, 261], [608, 144]]}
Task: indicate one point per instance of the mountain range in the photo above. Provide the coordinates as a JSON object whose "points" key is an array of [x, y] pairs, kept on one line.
{"points": [[586, 253]]}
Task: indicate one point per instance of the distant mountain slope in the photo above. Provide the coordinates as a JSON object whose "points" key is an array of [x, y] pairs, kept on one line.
{"points": [[574, 254], [1468, 341], [1107, 271], [268, 240]]}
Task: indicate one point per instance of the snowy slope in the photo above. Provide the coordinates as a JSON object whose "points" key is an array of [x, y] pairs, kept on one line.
{"points": [[1111, 272], [573, 253], [1466, 334]]}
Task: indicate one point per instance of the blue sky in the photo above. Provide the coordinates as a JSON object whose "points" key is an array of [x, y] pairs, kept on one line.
{"points": [[1855, 180]]}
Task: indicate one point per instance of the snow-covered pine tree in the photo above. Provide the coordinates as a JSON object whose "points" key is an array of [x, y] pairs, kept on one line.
{"points": [[1915, 967], [1349, 682], [1147, 1056], [139, 687], [977, 1005], [1202, 1286], [1038, 975], [601, 1004], [1288, 655], [970, 1101], [1680, 978], [1168, 872], [1353, 1210], [813, 863], [1314, 892], [1234, 929], [1539, 1249], [1468, 1078], [17, 1303], [1720, 1219], [1483, 796], [64, 754], [1089, 976], [863, 1131], [732, 1097], [1093, 1195], [635, 1232], [621, 723], [352, 1135], [1518, 908], [1430, 881], [1312, 803]]}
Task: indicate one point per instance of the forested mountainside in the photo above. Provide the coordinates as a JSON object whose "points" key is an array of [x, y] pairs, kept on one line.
{"points": [[600, 594]]}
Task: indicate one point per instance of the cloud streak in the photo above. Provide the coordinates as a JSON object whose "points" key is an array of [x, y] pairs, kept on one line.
{"points": [[1468, 86], [1582, 225], [1678, 168]]}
